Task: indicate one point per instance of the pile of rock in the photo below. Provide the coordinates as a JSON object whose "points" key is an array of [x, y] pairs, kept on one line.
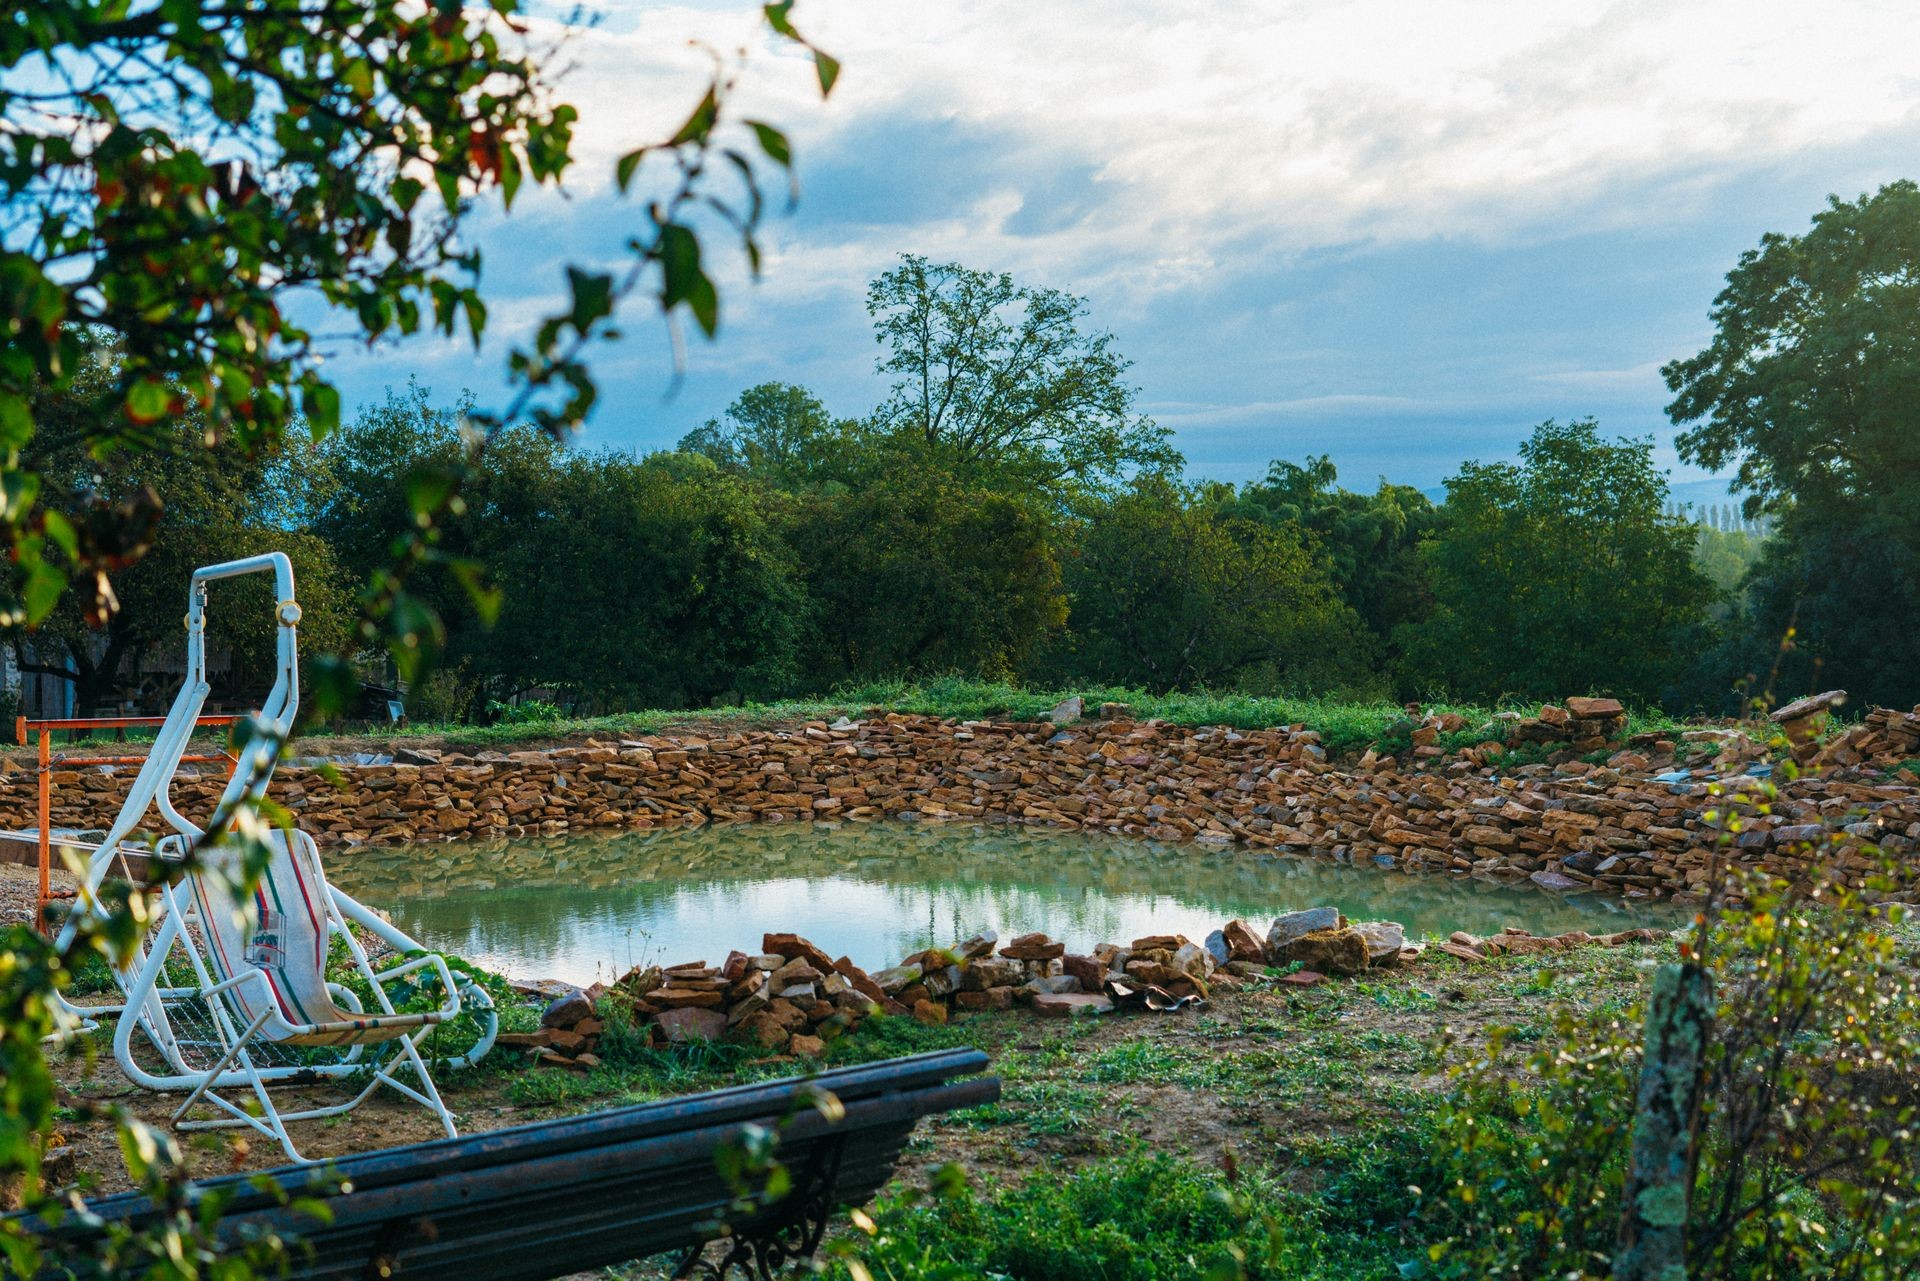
{"points": [[1031, 969], [1884, 739], [1582, 724], [1805, 719], [1322, 941], [569, 1032], [1579, 726], [791, 998], [1517, 942]]}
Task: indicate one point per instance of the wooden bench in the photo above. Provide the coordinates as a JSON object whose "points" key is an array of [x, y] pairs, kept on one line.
{"points": [[554, 1197]]}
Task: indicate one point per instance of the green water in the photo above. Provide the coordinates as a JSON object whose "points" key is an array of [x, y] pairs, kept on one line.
{"points": [[578, 908]]}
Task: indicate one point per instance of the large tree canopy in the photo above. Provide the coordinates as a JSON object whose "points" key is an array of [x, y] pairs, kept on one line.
{"points": [[1810, 388], [995, 376], [781, 434], [922, 570], [1171, 593], [217, 505], [1810, 392], [1372, 542], [653, 582], [1561, 574], [186, 179]]}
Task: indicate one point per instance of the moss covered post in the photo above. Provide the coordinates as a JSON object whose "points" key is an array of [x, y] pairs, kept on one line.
{"points": [[1653, 1219]]}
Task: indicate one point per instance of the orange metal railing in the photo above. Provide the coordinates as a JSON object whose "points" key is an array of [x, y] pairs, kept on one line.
{"points": [[48, 762]]}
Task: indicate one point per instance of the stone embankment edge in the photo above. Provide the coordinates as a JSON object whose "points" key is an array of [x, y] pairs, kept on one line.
{"points": [[1614, 830]]}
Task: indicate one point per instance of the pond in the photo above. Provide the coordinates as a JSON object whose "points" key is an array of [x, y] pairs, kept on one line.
{"points": [[586, 907]]}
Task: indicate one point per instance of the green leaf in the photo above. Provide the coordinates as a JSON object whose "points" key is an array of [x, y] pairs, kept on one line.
{"points": [[828, 68], [704, 301], [428, 489], [683, 280], [61, 531], [18, 490], [321, 401], [623, 169], [333, 685], [405, 192], [592, 297], [357, 76], [147, 400], [701, 122], [40, 586], [485, 597], [232, 98], [773, 142], [414, 635], [778, 19]]}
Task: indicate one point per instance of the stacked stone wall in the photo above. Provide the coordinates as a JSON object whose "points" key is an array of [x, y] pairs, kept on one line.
{"points": [[1581, 826]]}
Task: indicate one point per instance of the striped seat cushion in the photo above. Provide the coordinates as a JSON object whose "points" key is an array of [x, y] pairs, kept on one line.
{"points": [[280, 930]]}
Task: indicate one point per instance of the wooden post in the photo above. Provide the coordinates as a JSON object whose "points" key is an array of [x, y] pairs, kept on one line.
{"points": [[1659, 1188], [46, 832]]}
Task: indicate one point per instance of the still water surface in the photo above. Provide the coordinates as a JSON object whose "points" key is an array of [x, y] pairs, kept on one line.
{"points": [[580, 908]]}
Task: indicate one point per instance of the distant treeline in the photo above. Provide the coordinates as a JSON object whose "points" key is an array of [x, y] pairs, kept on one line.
{"points": [[1006, 512]]}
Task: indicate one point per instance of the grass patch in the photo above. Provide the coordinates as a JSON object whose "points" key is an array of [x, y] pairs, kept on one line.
{"points": [[1148, 1216], [1347, 726]]}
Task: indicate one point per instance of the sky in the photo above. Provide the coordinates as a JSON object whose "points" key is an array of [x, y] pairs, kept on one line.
{"points": [[1398, 233]]}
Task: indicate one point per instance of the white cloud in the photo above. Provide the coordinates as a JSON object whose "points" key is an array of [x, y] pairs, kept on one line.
{"points": [[1175, 158], [1221, 130], [1638, 378], [1189, 417]]}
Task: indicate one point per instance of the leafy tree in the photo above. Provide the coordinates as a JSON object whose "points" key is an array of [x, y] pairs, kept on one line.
{"points": [[1808, 391], [1828, 604], [1808, 386], [370, 461], [174, 173], [1726, 556], [675, 585], [1170, 593], [991, 376], [1372, 542], [923, 571], [217, 506], [654, 584], [174, 176], [778, 433], [1559, 575]]}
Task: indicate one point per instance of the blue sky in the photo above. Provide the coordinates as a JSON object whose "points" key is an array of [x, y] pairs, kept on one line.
{"points": [[1398, 233]]}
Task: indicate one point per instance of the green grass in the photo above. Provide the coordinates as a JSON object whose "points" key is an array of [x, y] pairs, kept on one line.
{"points": [[1302, 1140], [1347, 727], [1144, 1216]]}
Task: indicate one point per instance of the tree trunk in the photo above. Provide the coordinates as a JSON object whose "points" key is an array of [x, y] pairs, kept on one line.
{"points": [[95, 680], [1654, 1205]]}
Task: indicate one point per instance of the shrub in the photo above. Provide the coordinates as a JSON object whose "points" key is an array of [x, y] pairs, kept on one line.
{"points": [[1805, 1165], [445, 697], [532, 712], [1140, 1218]]}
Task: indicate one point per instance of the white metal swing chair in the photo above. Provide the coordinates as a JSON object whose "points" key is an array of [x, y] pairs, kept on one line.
{"points": [[229, 992]]}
